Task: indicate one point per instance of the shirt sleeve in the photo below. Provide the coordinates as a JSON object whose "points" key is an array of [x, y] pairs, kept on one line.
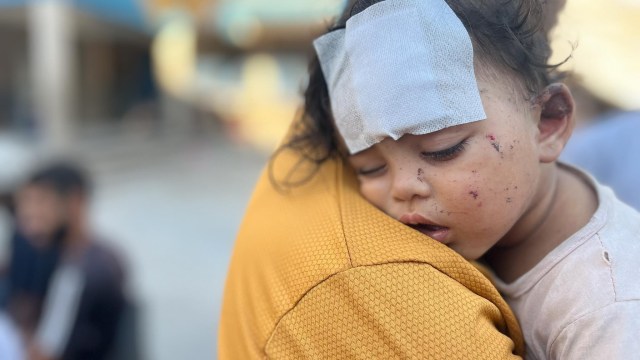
{"points": [[391, 311], [609, 333]]}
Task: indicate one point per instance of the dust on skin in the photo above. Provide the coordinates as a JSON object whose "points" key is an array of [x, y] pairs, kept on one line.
{"points": [[496, 145]]}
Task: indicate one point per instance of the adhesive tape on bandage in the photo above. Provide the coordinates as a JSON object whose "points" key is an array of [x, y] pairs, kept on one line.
{"points": [[399, 67]]}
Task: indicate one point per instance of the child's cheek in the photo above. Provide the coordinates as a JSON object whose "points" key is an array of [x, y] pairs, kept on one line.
{"points": [[376, 192], [496, 181]]}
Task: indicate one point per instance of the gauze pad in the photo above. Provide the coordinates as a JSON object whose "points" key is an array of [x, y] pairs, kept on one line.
{"points": [[399, 67]]}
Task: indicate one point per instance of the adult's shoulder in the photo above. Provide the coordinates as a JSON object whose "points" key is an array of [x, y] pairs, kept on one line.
{"points": [[102, 263]]}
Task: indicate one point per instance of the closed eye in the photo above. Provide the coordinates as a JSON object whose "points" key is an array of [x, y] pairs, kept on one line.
{"points": [[446, 154], [371, 171]]}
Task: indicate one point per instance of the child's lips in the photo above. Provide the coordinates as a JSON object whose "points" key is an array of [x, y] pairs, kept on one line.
{"points": [[438, 233], [422, 224]]}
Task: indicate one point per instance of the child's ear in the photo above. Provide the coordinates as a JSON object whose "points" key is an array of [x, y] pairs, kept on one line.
{"points": [[556, 120]]}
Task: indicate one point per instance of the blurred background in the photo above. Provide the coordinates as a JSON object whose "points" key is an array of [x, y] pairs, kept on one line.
{"points": [[175, 105]]}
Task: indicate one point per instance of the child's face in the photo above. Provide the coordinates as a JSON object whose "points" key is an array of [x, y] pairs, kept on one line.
{"points": [[466, 186]]}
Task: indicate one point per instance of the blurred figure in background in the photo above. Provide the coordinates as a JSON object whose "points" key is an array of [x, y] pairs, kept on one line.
{"points": [[65, 293], [609, 149]]}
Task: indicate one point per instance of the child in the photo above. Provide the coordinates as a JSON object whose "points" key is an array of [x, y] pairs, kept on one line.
{"points": [[448, 115]]}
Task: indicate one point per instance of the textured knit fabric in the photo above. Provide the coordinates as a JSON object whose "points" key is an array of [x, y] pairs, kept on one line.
{"points": [[582, 301], [319, 273]]}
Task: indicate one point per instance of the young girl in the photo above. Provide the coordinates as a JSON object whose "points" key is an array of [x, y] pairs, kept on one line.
{"points": [[448, 115]]}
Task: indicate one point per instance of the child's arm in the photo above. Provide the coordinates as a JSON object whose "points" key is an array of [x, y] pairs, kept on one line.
{"points": [[390, 311], [612, 332]]}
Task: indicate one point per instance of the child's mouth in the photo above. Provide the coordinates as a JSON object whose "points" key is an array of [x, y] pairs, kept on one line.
{"points": [[420, 223], [435, 232]]}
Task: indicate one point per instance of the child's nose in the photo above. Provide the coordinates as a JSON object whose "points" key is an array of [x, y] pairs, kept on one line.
{"points": [[409, 184]]}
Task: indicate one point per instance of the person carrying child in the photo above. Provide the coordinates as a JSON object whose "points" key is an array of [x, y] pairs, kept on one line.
{"points": [[445, 117]]}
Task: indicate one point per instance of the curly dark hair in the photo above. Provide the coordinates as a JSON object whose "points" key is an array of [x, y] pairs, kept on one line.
{"points": [[507, 34]]}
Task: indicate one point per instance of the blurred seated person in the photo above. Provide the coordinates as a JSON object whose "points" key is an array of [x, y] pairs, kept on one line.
{"points": [[608, 148], [66, 291]]}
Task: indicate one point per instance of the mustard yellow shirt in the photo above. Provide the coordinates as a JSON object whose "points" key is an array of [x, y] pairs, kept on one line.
{"points": [[319, 273]]}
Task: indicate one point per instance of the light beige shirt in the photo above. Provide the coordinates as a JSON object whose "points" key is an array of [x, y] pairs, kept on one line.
{"points": [[582, 301]]}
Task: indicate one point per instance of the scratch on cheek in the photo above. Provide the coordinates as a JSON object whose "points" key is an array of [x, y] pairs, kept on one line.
{"points": [[494, 143]]}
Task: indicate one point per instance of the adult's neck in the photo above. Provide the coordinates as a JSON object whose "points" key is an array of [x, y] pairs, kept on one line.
{"points": [[77, 238], [565, 204]]}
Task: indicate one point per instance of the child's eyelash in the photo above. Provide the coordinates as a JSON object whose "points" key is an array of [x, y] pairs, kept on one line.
{"points": [[446, 154], [367, 172]]}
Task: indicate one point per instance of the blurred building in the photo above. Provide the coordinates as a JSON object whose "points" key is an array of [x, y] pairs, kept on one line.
{"points": [[250, 59], [75, 64], [71, 64]]}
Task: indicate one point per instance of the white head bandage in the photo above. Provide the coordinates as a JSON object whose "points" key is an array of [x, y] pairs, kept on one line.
{"points": [[399, 67]]}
